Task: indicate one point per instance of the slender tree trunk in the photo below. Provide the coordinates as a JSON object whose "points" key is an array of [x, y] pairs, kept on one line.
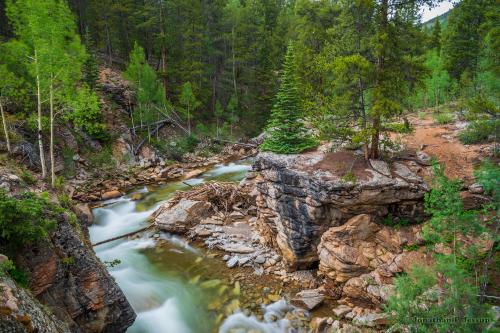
{"points": [[384, 11], [189, 121], [52, 158], [163, 62], [39, 110], [108, 41], [234, 63], [363, 115], [234, 77], [4, 122]]}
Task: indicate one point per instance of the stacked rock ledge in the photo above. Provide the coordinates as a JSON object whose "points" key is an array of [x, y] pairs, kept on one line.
{"points": [[299, 199]]}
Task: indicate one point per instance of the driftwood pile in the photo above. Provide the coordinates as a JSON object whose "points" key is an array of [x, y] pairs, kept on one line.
{"points": [[221, 195]]}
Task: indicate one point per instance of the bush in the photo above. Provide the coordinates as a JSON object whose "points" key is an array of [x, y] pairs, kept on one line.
{"points": [[27, 177], [102, 159], [419, 306], [479, 131], [422, 115], [176, 149], [7, 268], [25, 219], [399, 127], [443, 118]]}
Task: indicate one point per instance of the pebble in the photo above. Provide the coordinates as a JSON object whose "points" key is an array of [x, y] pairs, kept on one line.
{"points": [[260, 259], [232, 262]]}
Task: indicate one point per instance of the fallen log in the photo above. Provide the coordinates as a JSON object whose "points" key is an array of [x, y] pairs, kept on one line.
{"points": [[123, 236]]}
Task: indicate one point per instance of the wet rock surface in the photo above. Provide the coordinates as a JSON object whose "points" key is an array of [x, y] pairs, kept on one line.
{"points": [[299, 198]]}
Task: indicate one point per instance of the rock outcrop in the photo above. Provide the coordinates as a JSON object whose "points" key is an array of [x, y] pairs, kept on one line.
{"points": [[179, 218], [360, 246], [20, 312], [66, 276], [363, 257], [302, 196]]}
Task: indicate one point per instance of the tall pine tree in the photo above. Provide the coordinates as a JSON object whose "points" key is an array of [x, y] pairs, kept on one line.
{"points": [[286, 131]]}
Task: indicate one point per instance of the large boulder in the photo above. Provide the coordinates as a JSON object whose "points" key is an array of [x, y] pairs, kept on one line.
{"points": [[302, 196], [360, 246], [183, 215]]}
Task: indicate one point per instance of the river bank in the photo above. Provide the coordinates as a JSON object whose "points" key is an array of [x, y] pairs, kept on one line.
{"points": [[188, 283]]}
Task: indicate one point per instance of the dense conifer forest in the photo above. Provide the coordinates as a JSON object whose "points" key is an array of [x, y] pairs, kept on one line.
{"points": [[106, 95]]}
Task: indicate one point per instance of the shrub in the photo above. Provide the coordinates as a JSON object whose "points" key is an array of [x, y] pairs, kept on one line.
{"points": [[443, 118], [27, 177], [349, 177], [102, 159], [176, 149], [7, 268], [422, 115], [479, 131], [429, 298], [399, 127], [26, 219]]}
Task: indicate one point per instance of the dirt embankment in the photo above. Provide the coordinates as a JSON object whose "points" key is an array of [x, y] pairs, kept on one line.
{"points": [[441, 142]]}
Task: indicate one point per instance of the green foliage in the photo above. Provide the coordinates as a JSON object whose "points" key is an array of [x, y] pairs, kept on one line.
{"points": [[27, 177], [112, 263], [397, 222], [449, 219], [6, 267], [149, 93], [176, 149], [286, 131], [443, 118], [349, 177], [435, 41], [442, 298], [102, 159], [26, 219], [437, 299], [65, 201], [68, 261], [399, 127], [86, 113], [488, 175], [20, 276], [480, 131], [189, 103]]}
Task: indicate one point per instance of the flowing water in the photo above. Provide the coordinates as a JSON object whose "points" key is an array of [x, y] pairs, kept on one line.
{"points": [[172, 286]]}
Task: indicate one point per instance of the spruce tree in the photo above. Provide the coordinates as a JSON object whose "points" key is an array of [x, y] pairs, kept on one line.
{"points": [[286, 131], [436, 36]]}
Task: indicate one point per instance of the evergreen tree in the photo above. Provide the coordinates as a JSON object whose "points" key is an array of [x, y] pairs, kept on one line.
{"points": [[436, 36], [445, 289], [286, 131], [462, 38]]}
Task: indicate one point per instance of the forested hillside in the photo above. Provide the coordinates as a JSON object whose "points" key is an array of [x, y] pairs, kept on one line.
{"points": [[373, 140]]}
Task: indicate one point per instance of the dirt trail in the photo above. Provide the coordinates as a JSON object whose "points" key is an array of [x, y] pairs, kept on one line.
{"points": [[441, 141]]}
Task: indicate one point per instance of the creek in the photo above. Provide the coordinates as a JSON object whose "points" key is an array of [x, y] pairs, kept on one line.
{"points": [[174, 287]]}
